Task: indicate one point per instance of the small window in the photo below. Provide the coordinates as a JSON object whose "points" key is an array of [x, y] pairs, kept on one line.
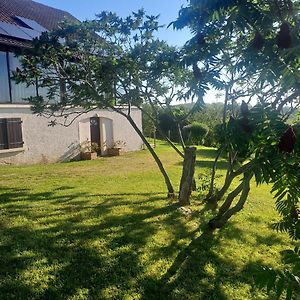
{"points": [[11, 133]]}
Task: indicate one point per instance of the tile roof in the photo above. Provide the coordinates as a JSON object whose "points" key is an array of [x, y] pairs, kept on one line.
{"points": [[46, 16]]}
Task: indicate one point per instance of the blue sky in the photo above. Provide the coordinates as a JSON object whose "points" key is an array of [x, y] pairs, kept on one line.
{"points": [[167, 9]]}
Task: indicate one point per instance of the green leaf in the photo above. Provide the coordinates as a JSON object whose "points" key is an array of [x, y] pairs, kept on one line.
{"points": [[271, 281], [280, 286], [289, 292]]}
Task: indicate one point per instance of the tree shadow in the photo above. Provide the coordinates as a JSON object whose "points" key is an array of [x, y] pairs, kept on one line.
{"points": [[188, 277], [72, 154], [78, 245], [200, 272], [68, 245]]}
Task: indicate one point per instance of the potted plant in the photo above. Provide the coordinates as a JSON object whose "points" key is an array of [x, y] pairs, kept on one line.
{"points": [[89, 150], [117, 148]]}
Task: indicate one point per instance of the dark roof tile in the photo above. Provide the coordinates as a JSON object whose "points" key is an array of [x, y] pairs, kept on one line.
{"points": [[46, 16]]}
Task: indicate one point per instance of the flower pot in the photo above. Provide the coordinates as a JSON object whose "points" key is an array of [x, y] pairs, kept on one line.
{"points": [[88, 155], [114, 151]]}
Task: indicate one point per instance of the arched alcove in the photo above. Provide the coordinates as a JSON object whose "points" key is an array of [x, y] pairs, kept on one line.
{"points": [[107, 134]]}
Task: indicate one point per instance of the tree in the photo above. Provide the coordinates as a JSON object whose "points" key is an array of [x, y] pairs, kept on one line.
{"points": [[109, 62], [248, 49], [254, 45]]}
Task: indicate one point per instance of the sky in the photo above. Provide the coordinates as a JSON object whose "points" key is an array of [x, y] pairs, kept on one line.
{"points": [[167, 9]]}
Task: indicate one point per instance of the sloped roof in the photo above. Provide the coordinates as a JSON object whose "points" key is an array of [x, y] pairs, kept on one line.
{"points": [[46, 16]]}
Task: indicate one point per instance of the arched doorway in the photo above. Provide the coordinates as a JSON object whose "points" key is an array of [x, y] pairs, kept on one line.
{"points": [[97, 130], [106, 134]]}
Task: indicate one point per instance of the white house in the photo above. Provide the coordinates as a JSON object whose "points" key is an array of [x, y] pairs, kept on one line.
{"points": [[26, 138]]}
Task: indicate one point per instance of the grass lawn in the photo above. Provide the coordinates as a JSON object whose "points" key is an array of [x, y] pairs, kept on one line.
{"points": [[104, 230]]}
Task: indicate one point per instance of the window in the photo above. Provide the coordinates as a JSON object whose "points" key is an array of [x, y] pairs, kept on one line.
{"points": [[4, 79], [11, 92], [11, 133], [19, 91]]}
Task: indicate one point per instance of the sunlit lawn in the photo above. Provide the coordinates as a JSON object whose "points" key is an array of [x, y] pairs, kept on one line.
{"points": [[104, 230]]}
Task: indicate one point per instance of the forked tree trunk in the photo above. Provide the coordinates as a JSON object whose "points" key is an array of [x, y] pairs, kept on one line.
{"points": [[227, 182], [231, 196], [187, 177], [171, 193], [227, 212], [230, 176]]}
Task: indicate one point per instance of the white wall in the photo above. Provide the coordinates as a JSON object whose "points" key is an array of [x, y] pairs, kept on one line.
{"points": [[43, 144]]}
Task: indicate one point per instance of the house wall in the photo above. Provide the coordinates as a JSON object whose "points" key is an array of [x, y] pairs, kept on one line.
{"points": [[44, 144]]}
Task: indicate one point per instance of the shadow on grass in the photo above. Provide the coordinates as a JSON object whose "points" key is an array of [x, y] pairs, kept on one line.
{"points": [[200, 272], [73, 248], [197, 272], [68, 254]]}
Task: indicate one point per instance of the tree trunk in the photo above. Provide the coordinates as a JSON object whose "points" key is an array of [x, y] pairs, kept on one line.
{"points": [[222, 217], [213, 199], [231, 196], [213, 175], [230, 176], [180, 136], [187, 176], [172, 144], [171, 193], [194, 186]]}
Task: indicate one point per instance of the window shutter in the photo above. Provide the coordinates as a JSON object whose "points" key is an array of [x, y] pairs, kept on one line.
{"points": [[14, 133], [3, 134]]}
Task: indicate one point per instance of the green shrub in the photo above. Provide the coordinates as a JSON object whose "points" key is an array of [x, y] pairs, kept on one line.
{"points": [[196, 132]]}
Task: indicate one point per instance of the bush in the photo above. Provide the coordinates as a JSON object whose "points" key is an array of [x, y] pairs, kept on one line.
{"points": [[196, 132]]}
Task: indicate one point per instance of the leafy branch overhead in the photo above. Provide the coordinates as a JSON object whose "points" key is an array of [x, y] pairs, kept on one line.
{"points": [[104, 62], [259, 38]]}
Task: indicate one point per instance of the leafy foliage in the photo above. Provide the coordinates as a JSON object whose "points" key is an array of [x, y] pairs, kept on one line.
{"points": [[235, 45], [105, 63], [196, 132]]}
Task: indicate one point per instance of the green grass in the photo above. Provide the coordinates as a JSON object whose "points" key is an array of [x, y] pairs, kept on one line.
{"points": [[104, 230]]}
